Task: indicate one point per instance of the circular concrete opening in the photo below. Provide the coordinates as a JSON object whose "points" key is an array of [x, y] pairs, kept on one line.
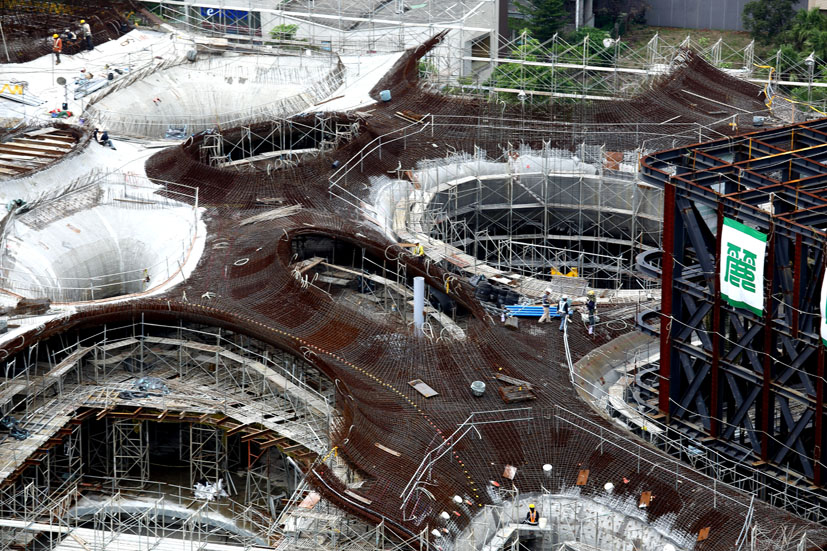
{"points": [[103, 240]]}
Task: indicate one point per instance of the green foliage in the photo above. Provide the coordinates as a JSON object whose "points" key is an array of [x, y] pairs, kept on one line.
{"points": [[766, 20], [545, 17], [596, 37], [285, 31], [517, 76], [808, 32], [817, 95], [426, 68]]}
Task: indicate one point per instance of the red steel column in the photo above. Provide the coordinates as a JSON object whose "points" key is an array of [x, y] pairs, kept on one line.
{"points": [[766, 418], [796, 285], [819, 428], [667, 266]]}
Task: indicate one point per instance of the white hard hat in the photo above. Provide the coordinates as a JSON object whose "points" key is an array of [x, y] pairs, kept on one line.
{"points": [[548, 291]]}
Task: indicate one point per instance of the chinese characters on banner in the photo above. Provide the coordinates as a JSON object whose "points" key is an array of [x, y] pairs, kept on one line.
{"points": [[742, 266]]}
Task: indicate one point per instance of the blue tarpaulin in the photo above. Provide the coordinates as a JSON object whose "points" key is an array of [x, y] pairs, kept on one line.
{"points": [[528, 311]]}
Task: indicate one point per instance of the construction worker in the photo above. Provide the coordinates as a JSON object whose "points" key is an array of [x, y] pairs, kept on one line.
{"points": [[57, 47], [545, 318], [591, 306], [418, 249], [532, 517], [69, 36], [563, 310], [86, 30]]}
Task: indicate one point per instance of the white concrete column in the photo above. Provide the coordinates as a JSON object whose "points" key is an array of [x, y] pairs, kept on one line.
{"points": [[419, 304]]}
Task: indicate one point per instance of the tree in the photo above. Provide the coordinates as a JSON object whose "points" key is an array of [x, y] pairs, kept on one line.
{"points": [[803, 25], [766, 20], [808, 32], [545, 17], [285, 31]]}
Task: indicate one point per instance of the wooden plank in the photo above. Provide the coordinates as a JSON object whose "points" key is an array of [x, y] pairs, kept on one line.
{"points": [[13, 390], [68, 362], [512, 394], [15, 168], [512, 380], [456, 261], [703, 534], [273, 442], [41, 131], [253, 435], [119, 344], [12, 157], [34, 148], [386, 449], [357, 497], [582, 478], [305, 265], [423, 388], [333, 280], [20, 149], [46, 143]]}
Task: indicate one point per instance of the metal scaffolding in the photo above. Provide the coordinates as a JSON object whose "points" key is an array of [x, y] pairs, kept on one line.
{"points": [[129, 449], [208, 454], [120, 381]]}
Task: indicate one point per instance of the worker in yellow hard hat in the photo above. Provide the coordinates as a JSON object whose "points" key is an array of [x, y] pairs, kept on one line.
{"points": [[531, 517], [57, 47], [86, 31]]}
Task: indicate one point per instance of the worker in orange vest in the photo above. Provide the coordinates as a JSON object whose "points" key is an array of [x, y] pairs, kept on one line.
{"points": [[57, 47], [531, 517]]}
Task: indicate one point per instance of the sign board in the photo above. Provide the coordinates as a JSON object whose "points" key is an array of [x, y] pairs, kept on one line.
{"points": [[742, 258], [227, 17]]}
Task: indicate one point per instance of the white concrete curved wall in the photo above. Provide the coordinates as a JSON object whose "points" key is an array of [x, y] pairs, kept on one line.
{"points": [[97, 252], [217, 91]]}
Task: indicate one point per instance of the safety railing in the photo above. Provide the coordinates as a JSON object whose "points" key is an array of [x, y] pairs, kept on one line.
{"points": [[725, 471], [339, 178]]}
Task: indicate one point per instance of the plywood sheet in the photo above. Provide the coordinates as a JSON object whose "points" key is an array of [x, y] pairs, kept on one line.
{"points": [[423, 388]]}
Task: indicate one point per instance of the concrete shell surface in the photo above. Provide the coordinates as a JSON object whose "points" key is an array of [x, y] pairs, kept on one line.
{"points": [[95, 243], [227, 90]]}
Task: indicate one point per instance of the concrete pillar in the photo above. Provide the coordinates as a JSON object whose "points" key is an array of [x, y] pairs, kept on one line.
{"points": [[419, 304]]}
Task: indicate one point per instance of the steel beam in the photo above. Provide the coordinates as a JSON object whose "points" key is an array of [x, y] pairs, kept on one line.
{"points": [[746, 379]]}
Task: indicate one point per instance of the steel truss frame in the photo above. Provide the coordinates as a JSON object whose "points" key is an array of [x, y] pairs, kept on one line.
{"points": [[129, 453], [208, 454], [276, 142], [754, 384]]}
